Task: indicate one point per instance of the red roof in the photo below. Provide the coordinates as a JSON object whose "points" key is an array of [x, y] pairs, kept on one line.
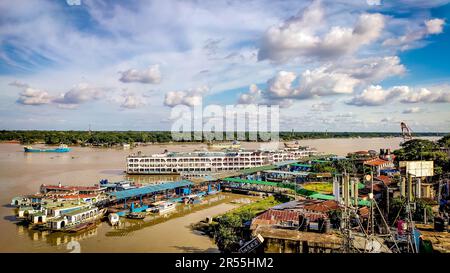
{"points": [[364, 212], [71, 188], [272, 217], [76, 196], [279, 215], [385, 179], [376, 162], [325, 206]]}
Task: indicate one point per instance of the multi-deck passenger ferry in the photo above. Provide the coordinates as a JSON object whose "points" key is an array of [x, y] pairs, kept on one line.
{"points": [[210, 162]]}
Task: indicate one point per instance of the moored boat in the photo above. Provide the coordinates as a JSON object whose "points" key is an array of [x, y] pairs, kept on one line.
{"points": [[136, 215], [113, 219], [61, 149], [166, 207], [81, 227]]}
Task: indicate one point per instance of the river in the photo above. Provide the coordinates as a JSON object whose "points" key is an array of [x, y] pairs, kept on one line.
{"points": [[22, 173]]}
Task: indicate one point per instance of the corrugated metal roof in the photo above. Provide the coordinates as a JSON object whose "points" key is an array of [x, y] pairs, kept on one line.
{"points": [[301, 165], [150, 189], [238, 180]]}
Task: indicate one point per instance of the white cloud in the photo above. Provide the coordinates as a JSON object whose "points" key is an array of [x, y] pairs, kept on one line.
{"points": [[192, 97], [320, 82], [375, 95], [252, 96], [317, 82], [298, 36], [150, 75], [373, 2], [80, 93], [412, 36], [370, 70], [412, 110], [426, 95], [280, 86], [133, 101], [435, 26], [31, 96]]}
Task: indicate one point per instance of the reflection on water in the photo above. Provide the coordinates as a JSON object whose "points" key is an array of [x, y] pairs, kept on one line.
{"points": [[54, 238], [127, 226]]}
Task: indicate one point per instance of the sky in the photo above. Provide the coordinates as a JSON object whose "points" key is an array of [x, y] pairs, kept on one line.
{"points": [[338, 65]]}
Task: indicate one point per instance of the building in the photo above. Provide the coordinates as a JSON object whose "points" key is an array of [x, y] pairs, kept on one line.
{"points": [[209, 162]]}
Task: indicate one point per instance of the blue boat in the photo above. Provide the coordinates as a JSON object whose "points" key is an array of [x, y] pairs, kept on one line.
{"points": [[60, 149]]}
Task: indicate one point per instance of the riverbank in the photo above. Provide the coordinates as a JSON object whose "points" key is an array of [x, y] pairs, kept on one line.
{"points": [[229, 228], [117, 138]]}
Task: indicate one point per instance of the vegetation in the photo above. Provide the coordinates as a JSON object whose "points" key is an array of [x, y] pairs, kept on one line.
{"points": [[117, 137], [322, 187], [420, 149], [397, 210], [229, 228]]}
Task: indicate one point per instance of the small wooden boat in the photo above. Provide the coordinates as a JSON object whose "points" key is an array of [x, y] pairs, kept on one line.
{"points": [[136, 215], [82, 227], [113, 219], [166, 207]]}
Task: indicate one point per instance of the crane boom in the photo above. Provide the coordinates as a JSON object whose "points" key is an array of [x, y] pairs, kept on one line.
{"points": [[406, 131]]}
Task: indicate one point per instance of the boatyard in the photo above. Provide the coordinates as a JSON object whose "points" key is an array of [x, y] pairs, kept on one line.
{"points": [[119, 205]]}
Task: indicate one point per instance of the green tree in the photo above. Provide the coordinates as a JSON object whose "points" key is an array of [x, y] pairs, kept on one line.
{"points": [[420, 149]]}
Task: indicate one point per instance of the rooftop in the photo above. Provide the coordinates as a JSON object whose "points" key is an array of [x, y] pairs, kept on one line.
{"points": [[149, 189]]}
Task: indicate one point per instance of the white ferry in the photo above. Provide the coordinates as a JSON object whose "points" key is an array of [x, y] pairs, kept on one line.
{"points": [[197, 162]]}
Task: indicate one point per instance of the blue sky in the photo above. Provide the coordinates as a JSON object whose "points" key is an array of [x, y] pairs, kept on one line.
{"points": [[343, 65]]}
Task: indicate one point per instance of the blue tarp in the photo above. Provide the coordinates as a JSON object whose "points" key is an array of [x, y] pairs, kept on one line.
{"points": [[150, 189]]}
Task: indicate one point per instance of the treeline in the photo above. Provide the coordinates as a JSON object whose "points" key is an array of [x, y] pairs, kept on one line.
{"points": [[118, 137]]}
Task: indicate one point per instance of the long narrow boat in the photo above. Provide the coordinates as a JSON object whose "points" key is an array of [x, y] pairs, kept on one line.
{"points": [[81, 227], [136, 215]]}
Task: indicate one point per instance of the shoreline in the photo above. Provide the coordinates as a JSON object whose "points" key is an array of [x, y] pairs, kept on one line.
{"points": [[144, 144]]}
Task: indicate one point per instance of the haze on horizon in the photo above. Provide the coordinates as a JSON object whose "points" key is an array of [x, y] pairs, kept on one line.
{"points": [[346, 65]]}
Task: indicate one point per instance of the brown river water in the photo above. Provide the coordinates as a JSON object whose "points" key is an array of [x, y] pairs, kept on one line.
{"points": [[22, 173]]}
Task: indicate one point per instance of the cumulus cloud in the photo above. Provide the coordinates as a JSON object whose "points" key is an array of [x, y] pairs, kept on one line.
{"points": [[132, 101], [434, 26], [299, 37], [151, 75], [80, 93], [317, 82], [192, 97], [252, 96], [32, 96], [407, 41], [375, 95], [371, 70], [426, 95], [280, 86]]}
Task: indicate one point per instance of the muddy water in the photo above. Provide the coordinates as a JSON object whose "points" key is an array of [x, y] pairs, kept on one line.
{"points": [[22, 173]]}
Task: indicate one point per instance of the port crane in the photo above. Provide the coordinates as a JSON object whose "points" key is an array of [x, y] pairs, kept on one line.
{"points": [[406, 131]]}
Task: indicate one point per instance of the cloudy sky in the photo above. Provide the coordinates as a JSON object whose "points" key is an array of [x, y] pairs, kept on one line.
{"points": [[338, 65]]}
